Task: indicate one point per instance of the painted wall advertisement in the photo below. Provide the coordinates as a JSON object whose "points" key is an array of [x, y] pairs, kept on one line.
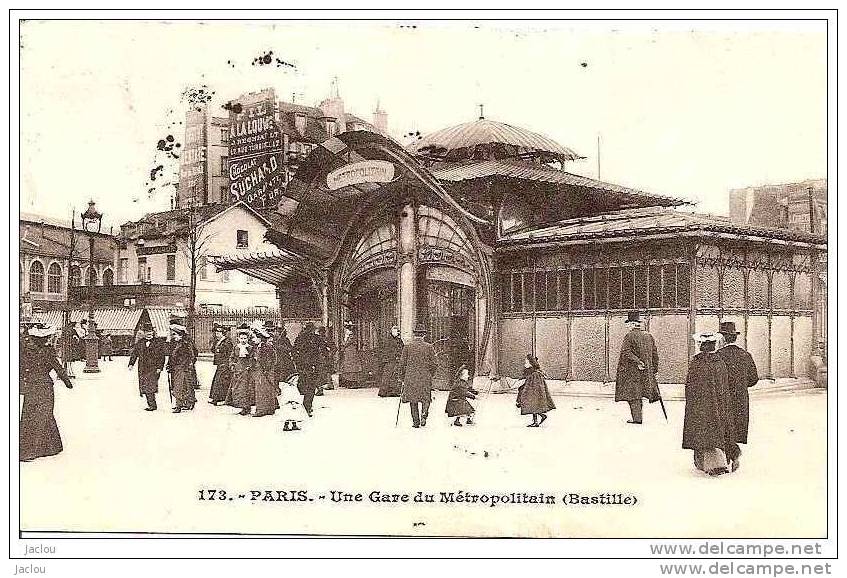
{"points": [[192, 162], [256, 148]]}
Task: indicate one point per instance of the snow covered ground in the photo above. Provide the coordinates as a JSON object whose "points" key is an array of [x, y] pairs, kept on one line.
{"points": [[124, 469]]}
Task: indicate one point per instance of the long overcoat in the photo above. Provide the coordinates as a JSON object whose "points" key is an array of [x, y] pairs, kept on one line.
{"points": [[150, 356], [183, 375], [632, 383], [389, 380], [309, 359], [223, 373], [533, 395], [417, 367], [708, 420], [457, 399], [264, 379], [284, 363], [39, 432], [241, 394], [741, 373]]}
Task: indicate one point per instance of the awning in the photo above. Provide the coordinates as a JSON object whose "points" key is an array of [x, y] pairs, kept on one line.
{"points": [[116, 321], [274, 267], [160, 318]]}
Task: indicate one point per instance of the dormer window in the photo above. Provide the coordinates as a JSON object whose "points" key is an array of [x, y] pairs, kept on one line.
{"points": [[300, 122]]}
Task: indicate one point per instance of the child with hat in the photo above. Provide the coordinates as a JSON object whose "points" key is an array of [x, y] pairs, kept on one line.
{"points": [[457, 399]]}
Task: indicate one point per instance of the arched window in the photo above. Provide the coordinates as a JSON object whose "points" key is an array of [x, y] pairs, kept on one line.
{"points": [[76, 276], [36, 277], [92, 276], [54, 278], [108, 278]]}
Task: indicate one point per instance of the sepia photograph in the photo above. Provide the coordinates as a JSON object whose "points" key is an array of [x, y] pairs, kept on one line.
{"points": [[422, 276]]}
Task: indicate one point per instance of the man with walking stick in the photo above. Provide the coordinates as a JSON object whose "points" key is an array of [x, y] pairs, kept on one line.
{"points": [[637, 366], [416, 368], [150, 355]]}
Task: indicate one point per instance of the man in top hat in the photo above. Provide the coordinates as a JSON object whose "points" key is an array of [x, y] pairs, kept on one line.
{"points": [[741, 374], [417, 367], [308, 357], [637, 366], [150, 355]]}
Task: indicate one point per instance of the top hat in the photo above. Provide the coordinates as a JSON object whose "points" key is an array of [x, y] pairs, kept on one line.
{"points": [[633, 317], [728, 328], [420, 329]]}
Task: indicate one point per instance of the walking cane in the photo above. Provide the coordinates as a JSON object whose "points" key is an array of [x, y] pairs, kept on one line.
{"points": [[399, 403]]}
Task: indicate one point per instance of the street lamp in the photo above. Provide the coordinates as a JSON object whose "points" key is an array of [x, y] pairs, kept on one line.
{"points": [[91, 222]]}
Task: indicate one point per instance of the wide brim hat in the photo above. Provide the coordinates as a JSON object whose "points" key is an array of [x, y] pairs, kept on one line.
{"points": [[728, 328], [41, 330], [705, 336], [258, 328], [178, 328], [219, 326]]}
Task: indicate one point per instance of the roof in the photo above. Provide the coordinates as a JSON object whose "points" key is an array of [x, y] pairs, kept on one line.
{"points": [[55, 241], [118, 320], [526, 171], [643, 222], [461, 141], [176, 221], [273, 267]]}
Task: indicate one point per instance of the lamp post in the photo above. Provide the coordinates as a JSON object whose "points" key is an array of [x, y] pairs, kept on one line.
{"points": [[91, 221]]}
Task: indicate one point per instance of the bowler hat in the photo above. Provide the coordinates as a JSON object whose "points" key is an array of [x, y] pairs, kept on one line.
{"points": [[728, 328], [633, 317], [420, 329]]}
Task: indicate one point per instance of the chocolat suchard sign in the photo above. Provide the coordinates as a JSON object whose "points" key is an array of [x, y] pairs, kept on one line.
{"points": [[256, 149]]}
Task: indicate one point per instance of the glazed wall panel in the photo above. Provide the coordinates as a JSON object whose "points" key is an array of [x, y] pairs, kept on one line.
{"points": [[670, 332], [588, 345], [803, 345], [781, 346], [515, 343], [758, 342]]}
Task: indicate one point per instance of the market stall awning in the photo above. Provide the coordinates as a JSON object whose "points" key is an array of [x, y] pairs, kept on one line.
{"points": [[160, 318], [116, 321]]}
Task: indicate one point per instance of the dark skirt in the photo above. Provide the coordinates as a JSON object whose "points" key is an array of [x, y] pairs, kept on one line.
{"points": [[220, 383], [243, 393], [457, 407], [39, 431], [182, 387], [266, 393], [389, 381]]}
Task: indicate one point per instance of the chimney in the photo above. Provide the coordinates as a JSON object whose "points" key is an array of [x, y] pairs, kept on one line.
{"points": [[380, 119]]}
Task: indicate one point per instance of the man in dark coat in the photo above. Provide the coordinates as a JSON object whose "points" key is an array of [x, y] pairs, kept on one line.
{"points": [[742, 374], [308, 359], [390, 351], [282, 345], [150, 355], [708, 425], [417, 367], [221, 351], [637, 366]]}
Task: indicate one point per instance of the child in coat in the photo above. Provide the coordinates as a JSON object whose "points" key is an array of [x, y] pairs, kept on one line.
{"points": [[457, 399]]}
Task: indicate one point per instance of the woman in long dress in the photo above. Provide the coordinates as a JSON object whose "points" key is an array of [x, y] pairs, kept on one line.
{"points": [[708, 427], [181, 368], [39, 435], [242, 394], [533, 396], [223, 373], [264, 373]]}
